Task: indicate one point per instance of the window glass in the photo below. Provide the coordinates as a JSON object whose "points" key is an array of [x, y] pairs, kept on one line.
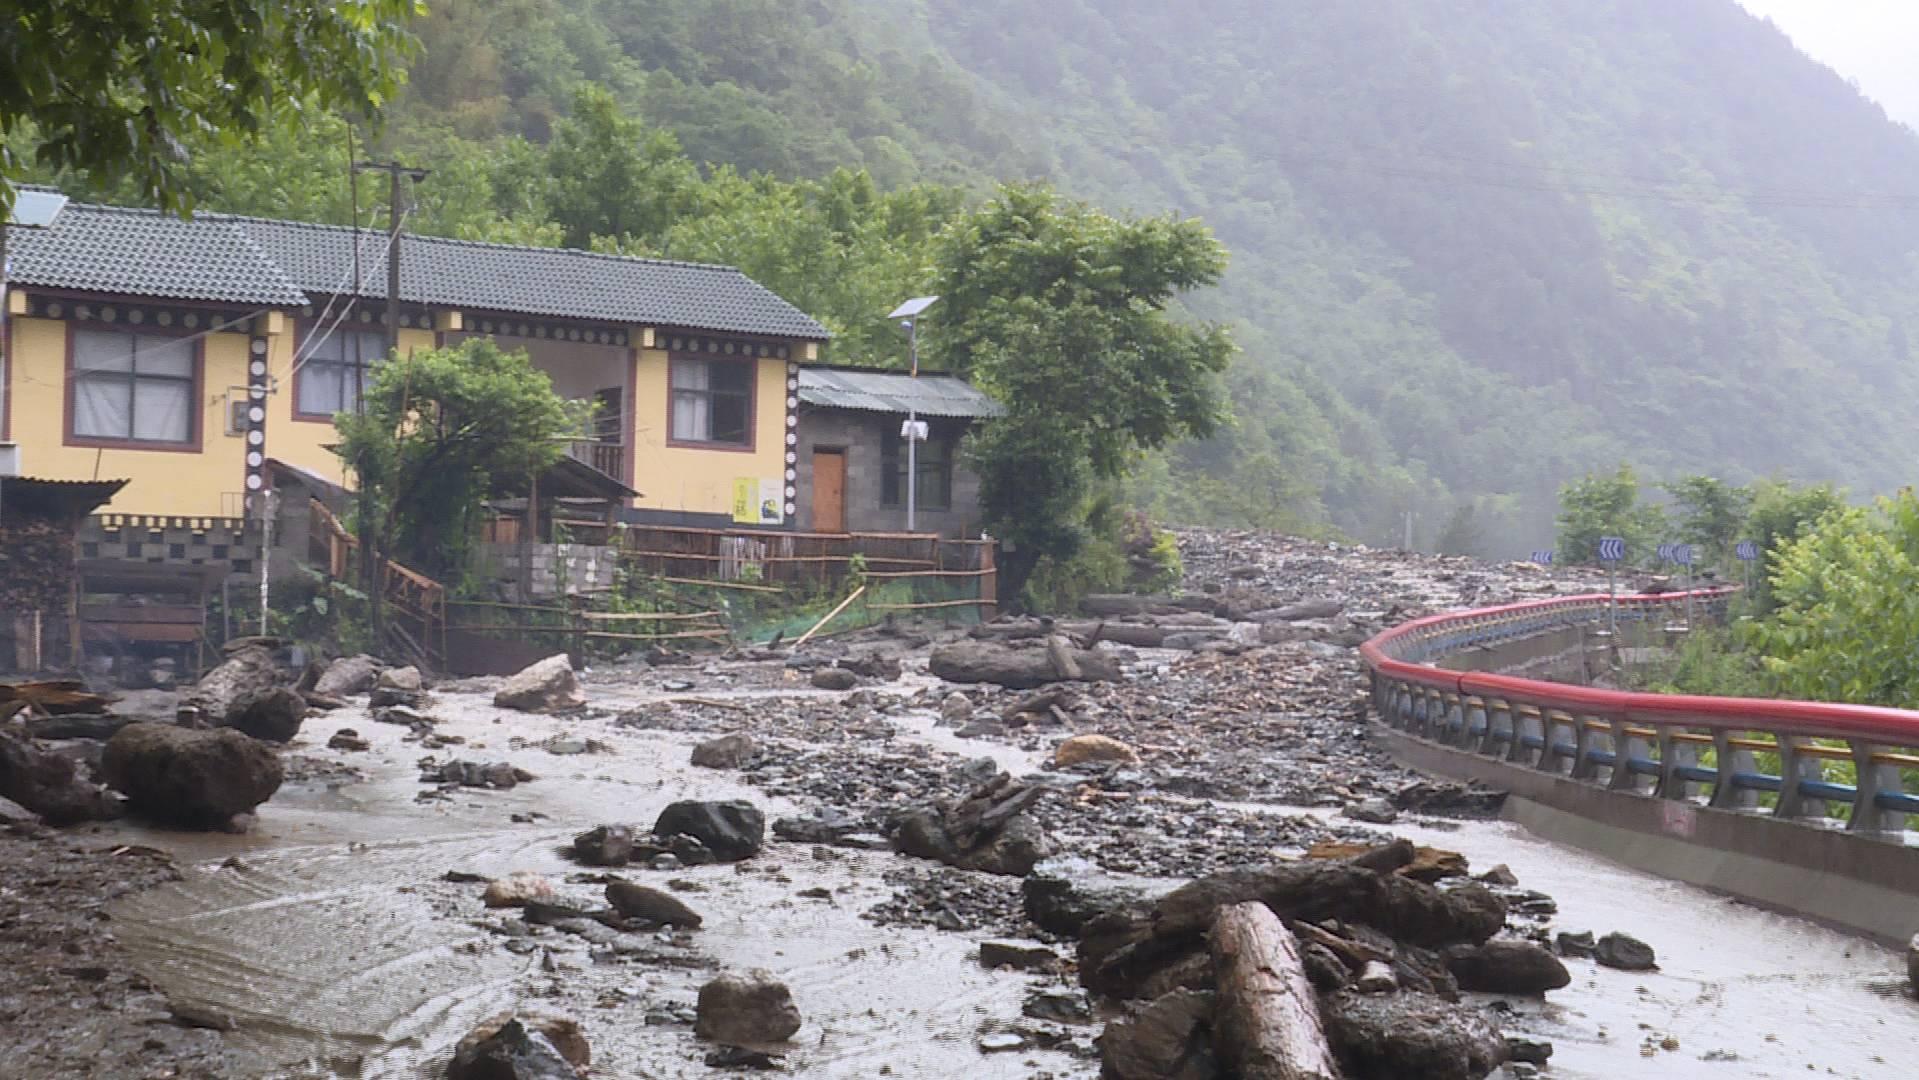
{"points": [[336, 368], [712, 400], [137, 387], [102, 408]]}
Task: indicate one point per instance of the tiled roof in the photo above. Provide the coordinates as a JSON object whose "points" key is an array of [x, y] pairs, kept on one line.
{"points": [[894, 392], [112, 249], [259, 261], [553, 282]]}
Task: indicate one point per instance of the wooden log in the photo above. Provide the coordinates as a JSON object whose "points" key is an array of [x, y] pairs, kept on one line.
{"points": [[1062, 657], [1265, 1018]]}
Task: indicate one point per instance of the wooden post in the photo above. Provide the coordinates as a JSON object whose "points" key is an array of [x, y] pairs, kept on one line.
{"points": [[988, 582], [1266, 1021]]}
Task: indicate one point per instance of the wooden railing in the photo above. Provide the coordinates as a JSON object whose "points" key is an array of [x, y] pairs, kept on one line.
{"points": [[605, 457], [412, 594]]}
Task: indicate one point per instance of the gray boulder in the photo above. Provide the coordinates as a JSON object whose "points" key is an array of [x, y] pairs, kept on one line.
{"points": [[401, 678], [732, 830], [604, 845], [348, 675], [48, 785], [249, 669], [1625, 952], [545, 687], [182, 776], [835, 678], [746, 1009], [271, 713], [1507, 966], [649, 905], [1166, 1039], [510, 1051], [1394, 1036], [726, 752]]}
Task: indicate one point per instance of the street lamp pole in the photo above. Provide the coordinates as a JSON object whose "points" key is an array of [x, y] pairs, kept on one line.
{"points": [[908, 314]]}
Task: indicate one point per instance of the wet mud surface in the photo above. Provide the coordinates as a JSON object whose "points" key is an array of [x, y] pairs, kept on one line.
{"points": [[330, 941]]}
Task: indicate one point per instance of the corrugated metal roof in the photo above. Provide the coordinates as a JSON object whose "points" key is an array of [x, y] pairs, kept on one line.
{"points": [[113, 249], [894, 392], [554, 282]]}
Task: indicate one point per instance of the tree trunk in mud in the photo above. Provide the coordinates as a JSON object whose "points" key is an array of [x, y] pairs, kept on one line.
{"points": [[1266, 1018]]}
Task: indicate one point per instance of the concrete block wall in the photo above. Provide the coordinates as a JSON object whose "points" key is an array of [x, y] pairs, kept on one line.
{"points": [[862, 436], [558, 569]]}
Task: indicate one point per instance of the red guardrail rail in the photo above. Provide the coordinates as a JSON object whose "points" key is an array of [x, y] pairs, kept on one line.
{"points": [[1682, 747]]}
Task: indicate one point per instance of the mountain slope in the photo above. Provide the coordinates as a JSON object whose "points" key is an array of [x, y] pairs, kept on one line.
{"points": [[1478, 249]]}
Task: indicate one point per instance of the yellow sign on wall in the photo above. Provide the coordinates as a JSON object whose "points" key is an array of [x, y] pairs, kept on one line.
{"points": [[757, 501]]}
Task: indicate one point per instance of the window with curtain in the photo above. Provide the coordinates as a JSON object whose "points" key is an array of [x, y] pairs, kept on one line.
{"points": [[133, 387], [712, 400], [336, 369], [935, 461]]}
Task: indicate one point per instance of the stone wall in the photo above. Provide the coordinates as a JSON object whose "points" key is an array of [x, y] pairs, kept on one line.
{"points": [[861, 435], [558, 569], [172, 541]]}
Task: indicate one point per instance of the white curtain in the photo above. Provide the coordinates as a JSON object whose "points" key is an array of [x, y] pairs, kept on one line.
{"points": [[692, 408]]}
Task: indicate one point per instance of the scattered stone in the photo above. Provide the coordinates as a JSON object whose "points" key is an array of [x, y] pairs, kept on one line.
{"points": [[1507, 966], [999, 954], [401, 678], [510, 1050], [48, 785], [956, 709], [518, 889], [1374, 811], [643, 904], [548, 686], [348, 675], [748, 1008], [1528, 1050], [604, 845], [1057, 1008], [1625, 953], [271, 713], [498, 775], [990, 830], [1080, 749], [835, 678], [730, 830], [726, 752], [1566, 943], [1498, 875], [193, 778], [1390, 1036], [348, 739]]}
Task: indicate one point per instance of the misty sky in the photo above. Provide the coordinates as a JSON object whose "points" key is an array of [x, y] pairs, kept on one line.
{"points": [[1872, 42]]}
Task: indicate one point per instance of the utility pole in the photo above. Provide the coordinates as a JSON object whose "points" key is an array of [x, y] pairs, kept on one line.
{"points": [[908, 314], [372, 559]]}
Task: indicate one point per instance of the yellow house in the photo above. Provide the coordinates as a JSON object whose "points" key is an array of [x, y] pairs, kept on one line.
{"points": [[182, 355]]}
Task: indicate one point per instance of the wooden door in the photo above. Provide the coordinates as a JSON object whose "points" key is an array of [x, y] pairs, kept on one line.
{"points": [[829, 491]]}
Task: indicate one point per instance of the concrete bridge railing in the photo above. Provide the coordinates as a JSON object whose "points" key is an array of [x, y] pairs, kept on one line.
{"points": [[1742, 778]]}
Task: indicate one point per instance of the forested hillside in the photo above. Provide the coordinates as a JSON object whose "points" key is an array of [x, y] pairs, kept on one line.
{"points": [[1477, 249]]}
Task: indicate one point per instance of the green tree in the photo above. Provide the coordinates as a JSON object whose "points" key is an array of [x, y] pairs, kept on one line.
{"points": [[1711, 515], [439, 431], [1607, 504], [615, 177], [1062, 312], [122, 87], [1781, 513]]}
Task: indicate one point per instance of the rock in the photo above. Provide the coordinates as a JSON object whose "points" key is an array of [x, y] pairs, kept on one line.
{"points": [[510, 1050], [731, 830], [545, 687], [726, 752], [956, 709], [1188, 641], [1912, 962], [1324, 969], [999, 954], [247, 668], [739, 1057], [403, 715], [1507, 966], [835, 678], [390, 697], [1394, 1036], [1306, 609], [48, 785], [1498, 875], [1570, 944], [820, 825], [1163, 1041], [1625, 953], [1059, 906], [196, 778], [348, 675], [348, 739], [12, 813], [746, 1009], [566, 745], [1014, 849], [1096, 748], [1529, 1051], [649, 905], [1019, 665], [873, 666], [401, 678], [604, 845], [1374, 811], [518, 889], [1376, 978], [273, 713], [1001, 1042]]}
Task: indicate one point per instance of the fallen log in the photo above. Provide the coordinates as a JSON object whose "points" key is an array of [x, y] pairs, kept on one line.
{"points": [[1265, 1017], [58, 698]]}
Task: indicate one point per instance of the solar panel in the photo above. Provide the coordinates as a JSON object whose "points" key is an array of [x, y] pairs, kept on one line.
{"points": [[36, 209]]}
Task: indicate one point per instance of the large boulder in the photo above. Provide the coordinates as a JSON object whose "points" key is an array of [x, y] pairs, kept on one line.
{"points": [[271, 713], [835, 678], [518, 889], [1394, 1036], [604, 845], [48, 785], [348, 675], [515, 1049], [1507, 966], [746, 1009], [1020, 665], [1625, 952], [1166, 1039], [731, 830], [182, 776], [1102, 749], [545, 687], [726, 751], [406, 679], [248, 669]]}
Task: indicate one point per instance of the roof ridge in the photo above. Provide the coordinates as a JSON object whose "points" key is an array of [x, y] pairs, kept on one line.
{"points": [[327, 226]]}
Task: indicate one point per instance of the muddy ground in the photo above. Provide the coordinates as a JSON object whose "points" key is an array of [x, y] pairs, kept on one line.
{"points": [[344, 935]]}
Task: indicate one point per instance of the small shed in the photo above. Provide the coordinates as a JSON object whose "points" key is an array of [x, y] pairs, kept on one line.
{"points": [[851, 460], [39, 567]]}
